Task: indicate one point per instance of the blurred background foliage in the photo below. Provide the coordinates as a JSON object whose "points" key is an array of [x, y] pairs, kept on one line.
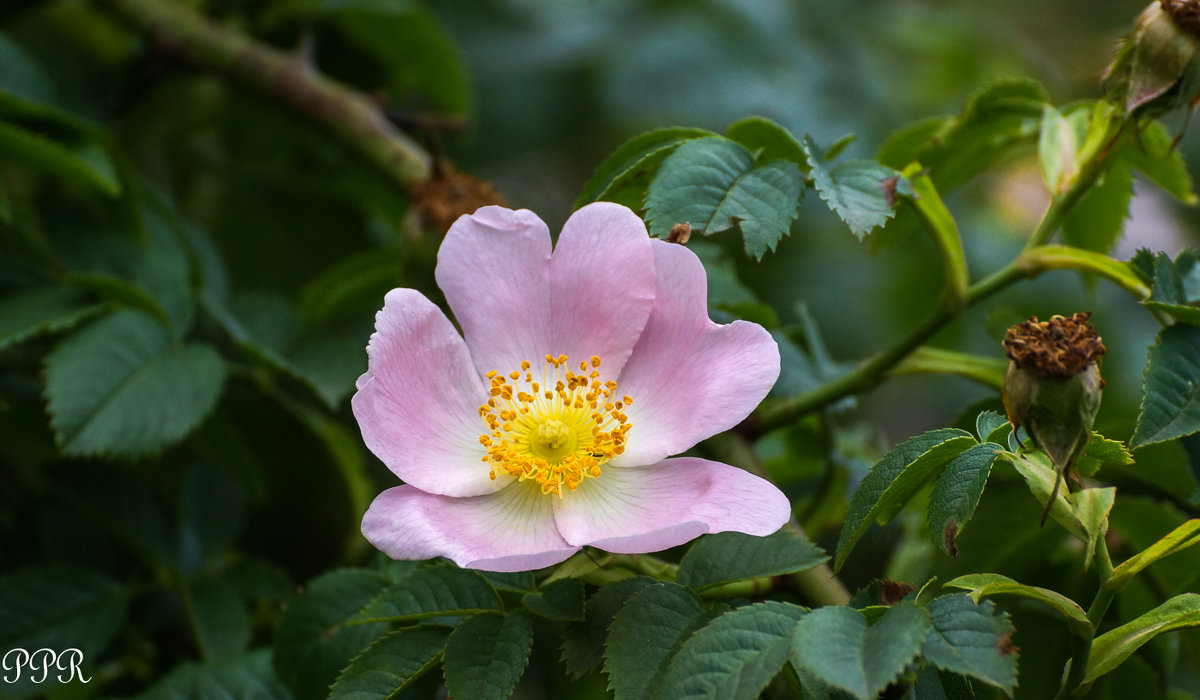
{"points": [[215, 219]]}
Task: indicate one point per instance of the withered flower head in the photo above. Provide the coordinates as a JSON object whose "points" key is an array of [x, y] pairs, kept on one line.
{"points": [[1186, 13], [449, 194], [1060, 347]]}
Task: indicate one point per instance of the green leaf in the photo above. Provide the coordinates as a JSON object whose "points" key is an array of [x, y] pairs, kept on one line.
{"points": [[1056, 151], [1174, 291], [220, 621], [894, 480], [119, 387], [1177, 540], [734, 657], [1097, 220], [836, 646], [1093, 506], [645, 634], [861, 192], [956, 494], [732, 556], [1154, 156], [990, 427], [58, 607], [486, 655], [39, 310], [314, 642], [1116, 645], [390, 664], [983, 586], [432, 590], [80, 160], [583, 643], [21, 78], [1143, 521], [350, 287], [636, 160], [1171, 387], [714, 184], [559, 600], [247, 675], [1039, 475], [933, 684], [768, 140], [971, 640]]}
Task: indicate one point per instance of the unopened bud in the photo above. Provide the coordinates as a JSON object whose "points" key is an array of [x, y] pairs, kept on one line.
{"points": [[1186, 13], [1156, 56]]}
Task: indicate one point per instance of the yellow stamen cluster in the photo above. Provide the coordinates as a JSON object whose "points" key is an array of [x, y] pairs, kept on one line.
{"points": [[556, 431]]}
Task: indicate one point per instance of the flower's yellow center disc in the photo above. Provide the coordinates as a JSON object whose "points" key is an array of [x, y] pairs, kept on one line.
{"points": [[556, 431]]}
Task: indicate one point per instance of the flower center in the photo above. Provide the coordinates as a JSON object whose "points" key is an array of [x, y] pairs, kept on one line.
{"points": [[556, 431]]}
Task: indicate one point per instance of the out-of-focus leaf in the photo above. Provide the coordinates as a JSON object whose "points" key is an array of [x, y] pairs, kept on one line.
{"points": [[120, 387], [894, 480], [645, 634], [636, 160], [1056, 151], [1153, 155], [39, 310], [971, 640], [349, 287], [1177, 540], [835, 645], [731, 556], [247, 675], [391, 663], [734, 656], [861, 192], [80, 160], [1144, 522], [486, 655], [313, 642], [714, 184], [1171, 388], [982, 586], [220, 620], [956, 494], [1097, 220], [1116, 645]]}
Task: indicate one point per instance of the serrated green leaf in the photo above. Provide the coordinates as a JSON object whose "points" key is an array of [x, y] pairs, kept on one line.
{"points": [[989, 423], [733, 657], [391, 663], [432, 590], [971, 640], [511, 581], [714, 184], [645, 634], [57, 607], [933, 684], [983, 586], [1180, 538], [1056, 151], [1104, 450], [1097, 220], [1153, 154], [32, 312], [1039, 475], [486, 655], [1174, 286], [1116, 645], [956, 493], [894, 480], [835, 645], [314, 640], [731, 556], [1171, 387], [560, 600], [636, 159], [583, 643], [81, 160], [247, 675], [861, 192], [119, 387], [768, 140]]}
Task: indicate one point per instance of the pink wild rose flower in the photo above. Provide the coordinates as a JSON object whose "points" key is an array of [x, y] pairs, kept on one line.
{"points": [[549, 423]]}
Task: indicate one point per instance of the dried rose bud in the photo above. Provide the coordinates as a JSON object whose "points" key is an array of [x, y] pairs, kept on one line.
{"points": [[1052, 386], [1157, 57]]}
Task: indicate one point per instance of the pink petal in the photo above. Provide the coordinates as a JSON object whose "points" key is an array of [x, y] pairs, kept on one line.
{"points": [[690, 378], [510, 530], [494, 268], [603, 285], [516, 302], [418, 403], [667, 504]]}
